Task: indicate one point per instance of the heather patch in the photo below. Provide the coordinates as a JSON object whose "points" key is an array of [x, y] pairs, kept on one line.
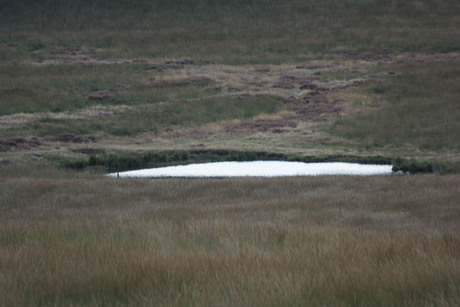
{"points": [[68, 137], [263, 125], [314, 111], [18, 143], [315, 66], [283, 85], [308, 86], [102, 95]]}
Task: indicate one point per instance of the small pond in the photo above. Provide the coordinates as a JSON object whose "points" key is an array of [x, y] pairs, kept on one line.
{"points": [[261, 169]]}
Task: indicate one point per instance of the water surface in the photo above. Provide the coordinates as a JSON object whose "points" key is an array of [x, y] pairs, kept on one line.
{"points": [[260, 169]]}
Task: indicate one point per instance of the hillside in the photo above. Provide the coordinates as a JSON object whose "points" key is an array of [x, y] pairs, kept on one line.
{"points": [[297, 78]]}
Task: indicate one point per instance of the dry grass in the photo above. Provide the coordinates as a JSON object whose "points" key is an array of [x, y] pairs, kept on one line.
{"points": [[342, 241]]}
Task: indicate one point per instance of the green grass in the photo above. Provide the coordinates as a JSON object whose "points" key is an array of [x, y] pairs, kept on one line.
{"points": [[67, 87], [153, 118], [417, 107], [259, 31], [57, 87]]}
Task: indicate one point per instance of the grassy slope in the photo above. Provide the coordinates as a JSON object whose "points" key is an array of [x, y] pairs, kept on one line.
{"points": [[130, 41], [413, 109], [235, 33]]}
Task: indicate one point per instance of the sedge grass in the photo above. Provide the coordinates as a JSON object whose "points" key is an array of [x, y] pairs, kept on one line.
{"points": [[343, 241]]}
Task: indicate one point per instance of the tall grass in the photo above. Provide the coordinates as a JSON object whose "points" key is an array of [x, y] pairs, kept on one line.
{"points": [[342, 241]]}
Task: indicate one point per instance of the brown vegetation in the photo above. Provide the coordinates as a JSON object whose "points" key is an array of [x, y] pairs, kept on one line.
{"points": [[342, 241]]}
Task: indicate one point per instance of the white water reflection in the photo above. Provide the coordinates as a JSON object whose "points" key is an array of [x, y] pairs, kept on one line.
{"points": [[260, 169]]}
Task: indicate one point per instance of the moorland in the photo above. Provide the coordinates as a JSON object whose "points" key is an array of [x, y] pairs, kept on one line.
{"points": [[88, 87]]}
